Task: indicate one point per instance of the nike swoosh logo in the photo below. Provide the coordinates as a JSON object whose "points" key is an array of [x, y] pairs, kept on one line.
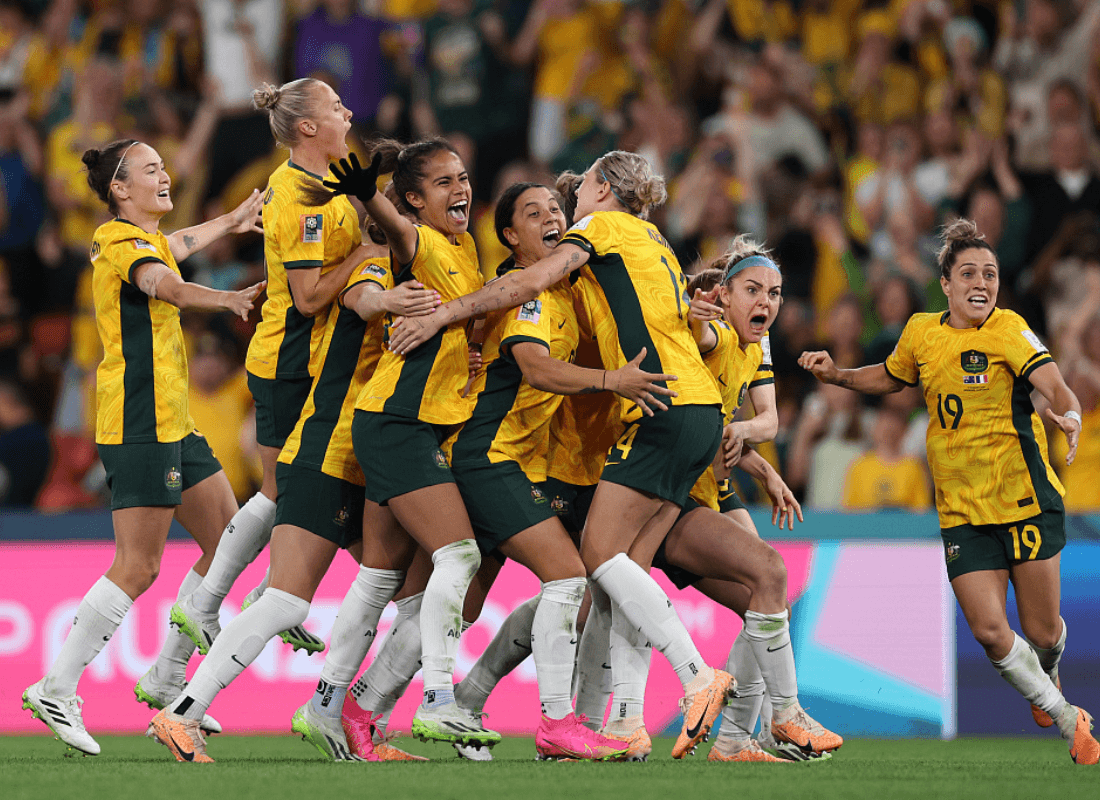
{"points": [[606, 666], [243, 666], [521, 645], [776, 649], [693, 732], [921, 364], [722, 382], [451, 272], [572, 641], [187, 755], [561, 325], [340, 224], [722, 497]]}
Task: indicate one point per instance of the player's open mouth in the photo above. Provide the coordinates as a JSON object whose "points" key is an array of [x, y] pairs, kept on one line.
{"points": [[758, 322], [162, 193], [978, 300], [551, 237], [457, 212]]}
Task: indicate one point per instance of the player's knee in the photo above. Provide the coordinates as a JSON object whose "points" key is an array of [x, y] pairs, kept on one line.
{"points": [[993, 636], [1043, 636], [775, 571]]}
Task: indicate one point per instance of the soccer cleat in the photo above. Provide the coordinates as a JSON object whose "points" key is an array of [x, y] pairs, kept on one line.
{"points": [[569, 738], [182, 737], [805, 733], [750, 752], [297, 637], [638, 743], [158, 694], [326, 734], [473, 752], [201, 628], [389, 752], [700, 710], [449, 723], [786, 750], [1083, 748], [359, 729], [62, 716], [1042, 718]]}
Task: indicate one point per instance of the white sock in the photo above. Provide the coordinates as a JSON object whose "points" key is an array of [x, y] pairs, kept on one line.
{"points": [[97, 618], [634, 593], [244, 537], [508, 649], [1048, 659], [391, 671], [171, 665], [630, 655], [770, 638], [740, 715], [1023, 672], [238, 645], [593, 677], [261, 587], [554, 644], [352, 635], [441, 613], [766, 715]]}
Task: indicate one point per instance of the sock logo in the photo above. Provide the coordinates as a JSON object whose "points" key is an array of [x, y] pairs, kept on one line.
{"points": [[326, 690], [429, 696], [693, 668], [622, 710], [452, 633]]}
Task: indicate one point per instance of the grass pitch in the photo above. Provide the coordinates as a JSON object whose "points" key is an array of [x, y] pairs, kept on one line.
{"points": [[276, 767]]}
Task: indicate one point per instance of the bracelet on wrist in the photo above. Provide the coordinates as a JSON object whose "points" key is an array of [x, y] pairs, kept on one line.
{"points": [[1074, 415]]}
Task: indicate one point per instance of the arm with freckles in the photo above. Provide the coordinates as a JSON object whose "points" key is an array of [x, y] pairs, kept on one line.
{"points": [[784, 505], [761, 428], [1048, 380], [369, 300], [508, 291], [161, 283]]}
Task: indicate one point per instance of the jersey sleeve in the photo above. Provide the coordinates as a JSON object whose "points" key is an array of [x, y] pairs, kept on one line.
{"points": [[1024, 351], [373, 270], [764, 372], [531, 322], [902, 363], [593, 234], [300, 231], [126, 255]]}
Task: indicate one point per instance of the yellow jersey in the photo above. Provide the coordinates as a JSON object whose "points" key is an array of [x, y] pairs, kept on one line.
{"points": [[635, 292], [427, 383], [220, 415], [872, 484], [986, 446], [511, 420], [736, 371], [347, 358], [141, 383], [296, 236]]}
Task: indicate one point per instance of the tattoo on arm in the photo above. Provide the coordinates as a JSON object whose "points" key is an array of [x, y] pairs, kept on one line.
{"points": [[190, 242], [844, 381], [478, 308], [590, 390]]}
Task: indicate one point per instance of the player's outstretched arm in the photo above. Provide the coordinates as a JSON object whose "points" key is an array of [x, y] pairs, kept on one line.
{"points": [[1065, 408], [410, 299], [351, 178], [161, 283], [872, 379], [245, 218], [785, 508], [508, 291]]}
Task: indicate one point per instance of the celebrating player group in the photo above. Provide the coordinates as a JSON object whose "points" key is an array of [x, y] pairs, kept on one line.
{"points": [[578, 414]]}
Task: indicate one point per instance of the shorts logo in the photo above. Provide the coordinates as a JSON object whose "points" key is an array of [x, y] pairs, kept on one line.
{"points": [[974, 362], [441, 460], [531, 311], [975, 379], [342, 517], [270, 194], [537, 495], [93, 254], [558, 505], [952, 552], [312, 226], [173, 479]]}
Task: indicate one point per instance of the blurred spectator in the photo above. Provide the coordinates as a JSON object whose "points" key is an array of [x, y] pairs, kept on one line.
{"points": [[881, 87], [972, 92], [22, 205], [884, 477], [1069, 262], [895, 301], [776, 127], [24, 447], [830, 435], [241, 41], [893, 188], [1071, 184]]}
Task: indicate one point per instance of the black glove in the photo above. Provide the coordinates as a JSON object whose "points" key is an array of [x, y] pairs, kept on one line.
{"points": [[352, 179]]}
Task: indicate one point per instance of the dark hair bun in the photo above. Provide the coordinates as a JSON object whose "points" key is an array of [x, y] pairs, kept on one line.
{"points": [[91, 157]]}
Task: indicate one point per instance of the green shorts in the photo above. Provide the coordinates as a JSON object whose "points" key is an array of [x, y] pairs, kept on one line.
{"points": [[398, 455], [972, 548], [680, 578], [727, 498], [500, 500], [156, 473], [665, 454], [570, 502], [326, 506], [279, 403]]}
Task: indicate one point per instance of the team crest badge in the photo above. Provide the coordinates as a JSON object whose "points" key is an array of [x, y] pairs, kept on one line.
{"points": [[93, 254], [952, 552], [342, 517], [441, 460], [537, 495], [173, 479], [269, 195], [974, 362], [741, 394]]}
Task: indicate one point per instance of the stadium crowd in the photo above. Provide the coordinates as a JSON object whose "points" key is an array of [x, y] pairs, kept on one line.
{"points": [[844, 133]]}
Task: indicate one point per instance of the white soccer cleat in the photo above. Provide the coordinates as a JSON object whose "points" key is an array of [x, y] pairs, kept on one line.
{"points": [[62, 716], [473, 752], [160, 694], [324, 733], [200, 627]]}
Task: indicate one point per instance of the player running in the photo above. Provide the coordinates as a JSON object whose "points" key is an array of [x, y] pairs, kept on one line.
{"points": [[1000, 504]]}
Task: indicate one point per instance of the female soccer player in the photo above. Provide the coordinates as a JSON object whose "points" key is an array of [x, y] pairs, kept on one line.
{"points": [[631, 278], [310, 252], [999, 501], [158, 466], [320, 510]]}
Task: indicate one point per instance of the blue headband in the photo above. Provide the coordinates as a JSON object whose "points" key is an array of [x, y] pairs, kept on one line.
{"points": [[605, 180], [745, 263]]}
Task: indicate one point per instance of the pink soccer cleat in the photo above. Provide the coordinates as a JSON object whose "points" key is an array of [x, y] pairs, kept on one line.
{"points": [[568, 738]]}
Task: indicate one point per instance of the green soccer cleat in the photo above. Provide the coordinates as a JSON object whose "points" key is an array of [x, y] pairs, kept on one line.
{"points": [[449, 723], [297, 637], [327, 735], [201, 628]]}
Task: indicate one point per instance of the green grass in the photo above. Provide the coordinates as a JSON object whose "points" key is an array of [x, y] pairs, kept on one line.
{"points": [[278, 767]]}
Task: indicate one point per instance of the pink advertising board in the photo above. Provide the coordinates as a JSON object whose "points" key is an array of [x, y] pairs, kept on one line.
{"points": [[44, 582]]}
